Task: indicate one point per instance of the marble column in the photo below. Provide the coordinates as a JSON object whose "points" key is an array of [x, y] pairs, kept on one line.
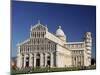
{"points": [[76, 61], [81, 61], [18, 56], [19, 60], [72, 61], [30, 60], [57, 59], [41, 59], [34, 59], [24, 60], [51, 60], [45, 59]]}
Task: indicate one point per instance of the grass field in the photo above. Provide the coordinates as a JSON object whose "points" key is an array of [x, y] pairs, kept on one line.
{"points": [[48, 69]]}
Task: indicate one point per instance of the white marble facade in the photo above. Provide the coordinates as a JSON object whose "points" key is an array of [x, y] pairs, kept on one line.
{"points": [[44, 49]]}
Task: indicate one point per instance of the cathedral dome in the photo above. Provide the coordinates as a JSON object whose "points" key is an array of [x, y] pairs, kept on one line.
{"points": [[60, 32]]}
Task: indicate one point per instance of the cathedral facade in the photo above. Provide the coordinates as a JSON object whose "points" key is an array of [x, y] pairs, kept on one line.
{"points": [[45, 49]]}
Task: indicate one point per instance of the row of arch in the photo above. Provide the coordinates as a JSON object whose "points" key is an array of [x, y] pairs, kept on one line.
{"points": [[77, 60], [38, 60], [37, 34]]}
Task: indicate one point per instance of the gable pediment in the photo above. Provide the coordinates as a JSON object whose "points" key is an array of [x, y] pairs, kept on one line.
{"points": [[38, 27]]}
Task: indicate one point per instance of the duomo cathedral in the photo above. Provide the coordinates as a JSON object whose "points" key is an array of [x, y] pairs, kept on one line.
{"points": [[44, 49]]}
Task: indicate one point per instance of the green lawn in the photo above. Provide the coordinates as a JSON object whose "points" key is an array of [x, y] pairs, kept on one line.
{"points": [[43, 70]]}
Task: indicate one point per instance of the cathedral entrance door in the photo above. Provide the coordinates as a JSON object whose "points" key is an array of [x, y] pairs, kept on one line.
{"points": [[27, 62], [48, 61], [38, 60]]}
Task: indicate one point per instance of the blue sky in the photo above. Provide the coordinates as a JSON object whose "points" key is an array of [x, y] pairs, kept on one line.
{"points": [[75, 20]]}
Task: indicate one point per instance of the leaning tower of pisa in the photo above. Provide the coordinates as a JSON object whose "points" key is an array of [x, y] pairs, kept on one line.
{"points": [[88, 48]]}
